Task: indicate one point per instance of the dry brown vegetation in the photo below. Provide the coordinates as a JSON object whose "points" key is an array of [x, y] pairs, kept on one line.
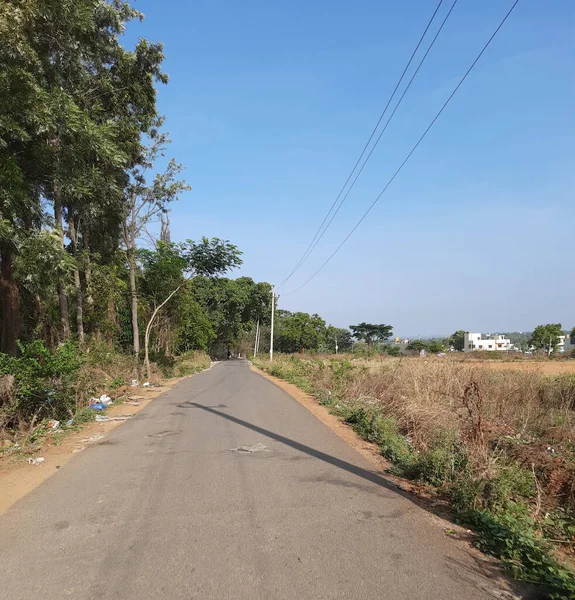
{"points": [[500, 444]]}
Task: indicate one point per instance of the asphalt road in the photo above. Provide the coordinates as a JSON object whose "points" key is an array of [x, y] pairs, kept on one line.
{"points": [[171, 505]]}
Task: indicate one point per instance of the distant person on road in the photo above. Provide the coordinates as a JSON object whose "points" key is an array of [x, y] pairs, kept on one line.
{"points": [[229, 355]]}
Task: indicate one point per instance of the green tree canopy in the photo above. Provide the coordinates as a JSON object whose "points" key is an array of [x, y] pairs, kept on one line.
{"points": [[341, 335], [457, 340], [546, 337], [300, 331], [370, 333]]}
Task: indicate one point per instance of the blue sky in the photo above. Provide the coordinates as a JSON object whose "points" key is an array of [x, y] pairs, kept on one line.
{"points": [[270, 103]]}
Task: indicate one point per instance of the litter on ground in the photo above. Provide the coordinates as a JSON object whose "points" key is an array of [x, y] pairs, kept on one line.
{"points": [[104, 419]]}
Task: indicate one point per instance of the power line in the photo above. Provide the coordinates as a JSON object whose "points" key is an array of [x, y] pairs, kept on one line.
{"points": [[307, 252], [381, 132], [412, 150]]}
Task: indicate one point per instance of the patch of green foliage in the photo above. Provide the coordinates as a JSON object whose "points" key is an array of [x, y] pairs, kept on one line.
{"points": [[43, 380], [183, 365], [523, 553], [84, 415]]}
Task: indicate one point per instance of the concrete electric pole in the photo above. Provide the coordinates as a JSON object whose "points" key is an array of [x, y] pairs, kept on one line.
{"points": [[272, 327]]}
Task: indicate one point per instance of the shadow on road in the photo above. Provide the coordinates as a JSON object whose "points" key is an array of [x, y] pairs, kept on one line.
{"points": [[477, 565], [370, 476]]}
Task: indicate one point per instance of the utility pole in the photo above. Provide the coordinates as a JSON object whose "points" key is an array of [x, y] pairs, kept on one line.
{"points": [[272, 327], [336, 347], [256, 340]]}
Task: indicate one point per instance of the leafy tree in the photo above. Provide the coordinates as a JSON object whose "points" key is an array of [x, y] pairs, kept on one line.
{"points": [[300, 331], [370, 333], [74, 104], [435, 347], [146, 202], [418, 346], [171, 265], [233, 307], [546, 337], [457, 340], [340, 335]]}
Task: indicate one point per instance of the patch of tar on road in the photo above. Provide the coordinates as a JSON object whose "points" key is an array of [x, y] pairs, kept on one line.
{"points": [[162, 434], [259, 447], [367, 515]]}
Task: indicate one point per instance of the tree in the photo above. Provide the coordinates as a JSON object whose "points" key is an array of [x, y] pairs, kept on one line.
{"points": [[144, 203], [370, 333], [417, 346], [74, 104], [435, 347], [171, 266], [299, 331], [340, 335], [457, 340], [546, 337]]}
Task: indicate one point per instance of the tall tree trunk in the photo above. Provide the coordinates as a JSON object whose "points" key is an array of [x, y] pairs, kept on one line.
{"points": [[9, 301], [134, 294], [62, 296], [77, 282], [87, 268]]}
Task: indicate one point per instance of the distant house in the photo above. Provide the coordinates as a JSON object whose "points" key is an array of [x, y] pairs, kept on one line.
{"points": [[569, 343], [475, 341]]}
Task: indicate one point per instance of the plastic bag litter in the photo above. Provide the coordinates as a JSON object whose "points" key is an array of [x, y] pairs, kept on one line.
{"points": [[105, 399], [146, 384], [134, 383], [53, 424], [36, 461], [98, 406]]}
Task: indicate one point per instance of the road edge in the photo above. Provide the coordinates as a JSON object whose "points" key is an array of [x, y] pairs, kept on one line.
{"points": [[18, 479]]}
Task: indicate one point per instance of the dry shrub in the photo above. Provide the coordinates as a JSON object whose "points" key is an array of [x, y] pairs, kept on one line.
{"points": [[498, 443], [499, 415]]}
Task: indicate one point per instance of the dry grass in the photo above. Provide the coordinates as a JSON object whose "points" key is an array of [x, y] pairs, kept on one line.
{"points": [[499, 444], [518, 424]]}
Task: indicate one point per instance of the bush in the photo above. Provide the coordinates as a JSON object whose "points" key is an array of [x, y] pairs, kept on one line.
{"points": [[441, 463], [43, 381], [524, 554], [391, 350]]}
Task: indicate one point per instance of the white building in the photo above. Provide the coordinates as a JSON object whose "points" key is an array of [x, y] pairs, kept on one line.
{"points": [[566, 343], [475, 341]]}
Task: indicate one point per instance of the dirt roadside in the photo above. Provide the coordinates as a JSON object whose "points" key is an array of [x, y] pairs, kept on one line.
{"points": [[18, 477]]}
